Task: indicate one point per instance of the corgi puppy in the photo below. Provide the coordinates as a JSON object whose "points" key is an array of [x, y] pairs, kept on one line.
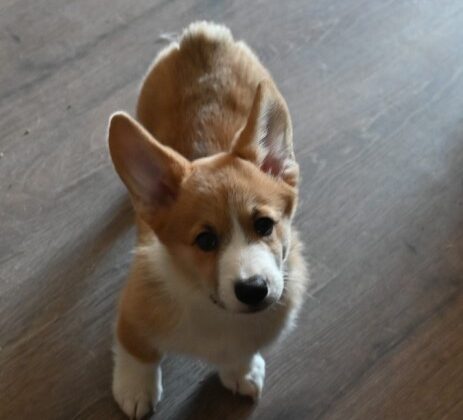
{"points": [[210, 168]]}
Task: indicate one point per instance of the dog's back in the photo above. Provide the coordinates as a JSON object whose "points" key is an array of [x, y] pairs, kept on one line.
{"points": [[198, 93]]}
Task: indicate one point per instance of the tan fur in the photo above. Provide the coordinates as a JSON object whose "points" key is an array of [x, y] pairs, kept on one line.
{"points": [[145, 310], [200, 106], [198, 94]]}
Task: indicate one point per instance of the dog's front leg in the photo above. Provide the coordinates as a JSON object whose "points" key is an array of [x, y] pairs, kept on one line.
{"points": [[246, 377], [137, 386]]}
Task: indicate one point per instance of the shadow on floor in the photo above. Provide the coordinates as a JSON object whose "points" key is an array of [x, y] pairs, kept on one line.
{"points": [[211, 400]]}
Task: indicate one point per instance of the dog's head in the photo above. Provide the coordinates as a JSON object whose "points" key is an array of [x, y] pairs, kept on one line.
{"points": [[224, 219]]}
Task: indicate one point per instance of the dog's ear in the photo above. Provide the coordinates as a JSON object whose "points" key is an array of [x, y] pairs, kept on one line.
{"points": [[266, 139], [152, 172]]}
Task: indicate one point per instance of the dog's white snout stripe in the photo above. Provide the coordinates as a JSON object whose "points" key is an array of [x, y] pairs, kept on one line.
{"points": [[241, 261]]}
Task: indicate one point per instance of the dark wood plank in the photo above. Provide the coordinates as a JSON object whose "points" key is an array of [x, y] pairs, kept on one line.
{"points": [[376, 93], [420, 379]]}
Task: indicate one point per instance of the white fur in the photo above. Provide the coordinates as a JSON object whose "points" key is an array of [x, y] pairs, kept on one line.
{"points": [[137, 386], [241, 261], [245, 378], [205, 330], [213, 31]]}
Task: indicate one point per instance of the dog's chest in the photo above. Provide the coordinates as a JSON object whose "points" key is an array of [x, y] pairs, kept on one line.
{"points": [[222, 339]]}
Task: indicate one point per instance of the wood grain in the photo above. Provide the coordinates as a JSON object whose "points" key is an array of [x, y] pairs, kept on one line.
{"points": [[376, 94]]}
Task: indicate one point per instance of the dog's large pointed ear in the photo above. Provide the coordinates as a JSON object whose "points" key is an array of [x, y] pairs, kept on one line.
{"points": [[266, 139], [152, 172]]}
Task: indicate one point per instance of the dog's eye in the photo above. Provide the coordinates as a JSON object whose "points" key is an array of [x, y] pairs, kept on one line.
{"points": [[207, 241], [264, 226]]}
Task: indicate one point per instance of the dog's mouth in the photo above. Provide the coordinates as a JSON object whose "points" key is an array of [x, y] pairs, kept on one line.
{"points": [[216, 301], [249, 310]]}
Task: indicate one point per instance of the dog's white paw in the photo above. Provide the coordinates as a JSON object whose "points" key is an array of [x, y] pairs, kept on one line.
{"points": [[247, 380], [137, 387], [134, 406], [136, 400]]}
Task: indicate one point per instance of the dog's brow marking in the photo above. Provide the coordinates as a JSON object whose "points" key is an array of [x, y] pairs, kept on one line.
{"points": [[238, 231], [237, 241]]}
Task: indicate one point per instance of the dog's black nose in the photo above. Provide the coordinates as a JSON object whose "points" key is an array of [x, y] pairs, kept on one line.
{"points": [[251, 291]]}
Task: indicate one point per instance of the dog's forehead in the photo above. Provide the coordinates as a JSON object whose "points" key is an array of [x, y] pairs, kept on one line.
{"points": [[220, 194], [223, 185]]}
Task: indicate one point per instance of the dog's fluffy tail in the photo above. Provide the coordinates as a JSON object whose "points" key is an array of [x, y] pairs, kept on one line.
{"points": [[205, 31]]}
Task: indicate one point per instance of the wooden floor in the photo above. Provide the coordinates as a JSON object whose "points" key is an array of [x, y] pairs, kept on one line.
{"points": [[375, 88]]}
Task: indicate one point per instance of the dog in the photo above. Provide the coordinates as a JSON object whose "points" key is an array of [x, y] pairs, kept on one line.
{"points": [[218, 271]]}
